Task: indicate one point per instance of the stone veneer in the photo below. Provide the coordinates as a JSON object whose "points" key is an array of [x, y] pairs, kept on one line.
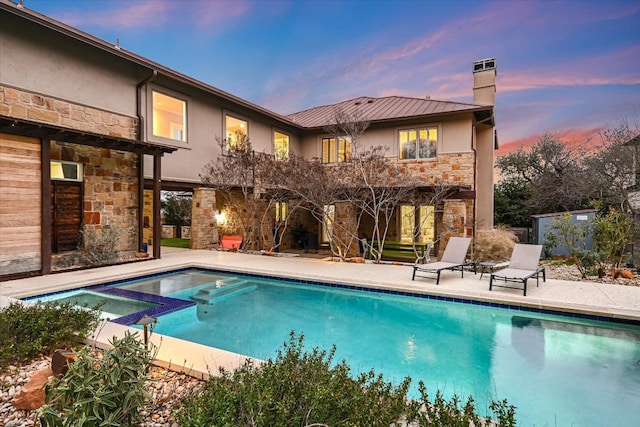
{"points": [[110, 188], [204, 229], [46, 109], [446, 169]]}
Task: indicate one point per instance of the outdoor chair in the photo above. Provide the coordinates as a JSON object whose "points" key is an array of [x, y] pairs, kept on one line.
{"points": [[523, 265], [453, 259]]}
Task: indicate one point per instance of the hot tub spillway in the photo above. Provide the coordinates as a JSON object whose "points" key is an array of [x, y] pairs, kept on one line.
{"points": [[223, 289]]}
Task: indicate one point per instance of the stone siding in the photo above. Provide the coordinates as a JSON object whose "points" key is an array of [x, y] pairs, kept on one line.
{"points": [[46, 109], [110, 189], [448, 169], [204, 229]]}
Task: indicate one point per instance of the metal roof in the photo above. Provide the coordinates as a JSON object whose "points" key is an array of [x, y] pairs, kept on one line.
{"points": [[382, 109]]}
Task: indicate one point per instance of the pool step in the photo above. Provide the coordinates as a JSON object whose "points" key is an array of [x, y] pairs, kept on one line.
{"points": [[223, 289]]}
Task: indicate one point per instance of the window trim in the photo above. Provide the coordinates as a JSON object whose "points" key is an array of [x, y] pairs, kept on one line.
{"points": [[151, 136], [417, 128]]}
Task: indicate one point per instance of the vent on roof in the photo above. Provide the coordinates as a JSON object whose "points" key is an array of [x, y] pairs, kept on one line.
{"points": [[484, 64]]}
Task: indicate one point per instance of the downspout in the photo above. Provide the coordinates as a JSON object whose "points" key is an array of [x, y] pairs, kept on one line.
{"points": [[475, 178], [142, 134], [142, 137]]}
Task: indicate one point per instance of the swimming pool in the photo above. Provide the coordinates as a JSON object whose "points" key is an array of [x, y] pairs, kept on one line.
{"points": [[557, 371]]}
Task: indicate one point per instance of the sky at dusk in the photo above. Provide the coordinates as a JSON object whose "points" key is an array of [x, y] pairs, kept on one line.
{"points": [[567, 67]]}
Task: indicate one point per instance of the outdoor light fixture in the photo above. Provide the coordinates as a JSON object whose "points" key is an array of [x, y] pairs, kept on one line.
{"points": [[145, 321], [220, 218]]}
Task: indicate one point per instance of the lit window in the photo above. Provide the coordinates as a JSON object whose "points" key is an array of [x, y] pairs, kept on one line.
{"points": [[424, 231], [169, 117], [328, 217], [281, 211], [236, 131], [336, 150], [418, 143], [66, 171], [281, 145]]}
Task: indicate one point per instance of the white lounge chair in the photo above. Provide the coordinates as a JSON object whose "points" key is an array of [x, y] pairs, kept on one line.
{"points": [[524, 265], [453, 258]]}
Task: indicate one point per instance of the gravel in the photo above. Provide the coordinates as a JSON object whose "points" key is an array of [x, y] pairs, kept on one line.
{"points": [[166, 387]]}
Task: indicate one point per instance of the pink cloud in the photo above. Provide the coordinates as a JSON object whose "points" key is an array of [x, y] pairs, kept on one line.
{"points": [[127, 15]]}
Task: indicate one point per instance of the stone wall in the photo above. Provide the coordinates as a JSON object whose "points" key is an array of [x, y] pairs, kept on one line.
{"points": [[204, 229], [110, 189], [45, 109], [447, 169]]}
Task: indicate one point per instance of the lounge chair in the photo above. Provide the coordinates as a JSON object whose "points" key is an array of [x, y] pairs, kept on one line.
{"points": [[453, 259], [524, 265]]}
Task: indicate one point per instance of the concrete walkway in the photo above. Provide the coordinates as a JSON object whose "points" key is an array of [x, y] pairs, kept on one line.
{"points": [[595, 299]]}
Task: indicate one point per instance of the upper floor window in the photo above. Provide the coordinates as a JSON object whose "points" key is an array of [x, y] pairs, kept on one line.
{"points": [[418, 143], [281, 145], [169, 117], [236, 131], [336, 150]]}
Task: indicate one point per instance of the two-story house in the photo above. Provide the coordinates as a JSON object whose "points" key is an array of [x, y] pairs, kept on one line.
{"points": [[90, 134]]}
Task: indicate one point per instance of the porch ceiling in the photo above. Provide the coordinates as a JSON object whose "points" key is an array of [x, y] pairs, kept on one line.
{"points": [[30, 128]]}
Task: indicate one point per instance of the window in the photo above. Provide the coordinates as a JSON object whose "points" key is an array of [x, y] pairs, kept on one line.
{"points": [[329, 213], [418, 143], [280, 145], [236, 131], [336, 150], [66, 206], [169, 117], [281, 211], [66, 171], [423, 217]]}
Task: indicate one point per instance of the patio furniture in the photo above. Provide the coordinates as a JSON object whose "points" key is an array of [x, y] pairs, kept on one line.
{"points": [[453, 259], [523, 265], [230, 243]]}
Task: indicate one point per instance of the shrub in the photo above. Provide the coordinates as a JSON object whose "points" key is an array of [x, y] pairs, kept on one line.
{"points": [[100, 391], [27, 330], [100, 247], [305, 388], [494, 245]]}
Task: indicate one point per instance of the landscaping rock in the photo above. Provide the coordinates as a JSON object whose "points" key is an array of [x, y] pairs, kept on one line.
{"points": [[32, 395], [61, 360]]}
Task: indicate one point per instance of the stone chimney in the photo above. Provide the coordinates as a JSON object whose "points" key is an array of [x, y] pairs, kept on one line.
{"points": [[484, 81]]}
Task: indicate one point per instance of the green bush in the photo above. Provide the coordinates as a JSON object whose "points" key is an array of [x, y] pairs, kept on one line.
{"points": [[304, 388], [27, 330], [107, 391]]}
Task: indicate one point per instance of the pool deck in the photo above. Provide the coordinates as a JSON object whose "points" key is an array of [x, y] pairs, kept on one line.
{"points": [[583, 298]]}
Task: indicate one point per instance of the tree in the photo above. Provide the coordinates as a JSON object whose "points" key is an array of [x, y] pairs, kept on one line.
{"points": [[233, 175], [510, 200], [176, 209], [613, 166], [554, 172]]}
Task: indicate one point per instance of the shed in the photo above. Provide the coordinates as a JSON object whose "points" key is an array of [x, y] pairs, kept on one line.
{"points": [[542, 222]]}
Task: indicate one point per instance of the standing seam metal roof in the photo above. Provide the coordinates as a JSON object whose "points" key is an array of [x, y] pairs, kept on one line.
{"points": [[381, 109]]}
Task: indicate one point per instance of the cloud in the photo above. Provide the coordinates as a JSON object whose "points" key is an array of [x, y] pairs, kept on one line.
{"points": [[143, 15], [123, 15]]}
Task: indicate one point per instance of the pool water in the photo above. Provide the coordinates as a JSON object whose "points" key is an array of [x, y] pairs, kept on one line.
{"points": [[556, 370], [111, 306]]}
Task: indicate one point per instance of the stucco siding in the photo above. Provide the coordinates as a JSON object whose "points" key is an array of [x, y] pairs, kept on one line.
{"points": [[40, 61]]}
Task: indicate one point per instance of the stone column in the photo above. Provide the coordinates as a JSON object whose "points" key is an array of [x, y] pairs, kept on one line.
{"points": [[346, 228], [204, 230]]}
